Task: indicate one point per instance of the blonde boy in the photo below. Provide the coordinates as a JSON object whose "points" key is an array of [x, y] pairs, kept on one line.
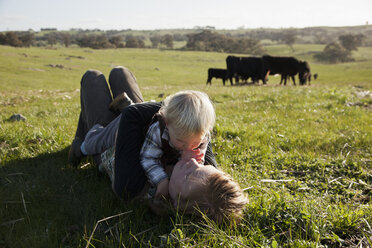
{"points": [[181, 131]]}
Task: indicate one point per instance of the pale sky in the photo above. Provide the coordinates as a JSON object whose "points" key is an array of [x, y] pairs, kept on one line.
{"points": [[163, 14]]}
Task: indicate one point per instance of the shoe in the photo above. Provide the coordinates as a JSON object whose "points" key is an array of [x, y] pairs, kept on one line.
{"points": [[119, 103], [75, 155]]}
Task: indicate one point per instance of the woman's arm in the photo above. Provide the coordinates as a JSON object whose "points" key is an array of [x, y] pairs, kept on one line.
{"points": [[129, 176]]}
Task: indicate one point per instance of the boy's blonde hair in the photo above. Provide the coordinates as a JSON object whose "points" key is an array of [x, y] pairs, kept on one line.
{"points": [[190, 112], [220, 198]]}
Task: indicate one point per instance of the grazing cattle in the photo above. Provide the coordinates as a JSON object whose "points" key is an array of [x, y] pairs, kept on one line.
{"points": [[252, 67], [245, 68], [232, 63], [287, 67], [304, 74], [284, 79], [216, 73], [315, 76]]}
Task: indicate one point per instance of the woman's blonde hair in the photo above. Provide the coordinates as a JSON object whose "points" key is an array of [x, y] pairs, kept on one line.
{"points": [[219, 197], [190, 112], [224, 200]]}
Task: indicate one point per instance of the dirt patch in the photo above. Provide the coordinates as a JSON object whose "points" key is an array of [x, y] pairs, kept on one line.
{"points": [[15, 101], [9, 54], [359, 104], [364, 99], [364, 94], [75, 57], [35, 69], [4, 145], [56, 66]]}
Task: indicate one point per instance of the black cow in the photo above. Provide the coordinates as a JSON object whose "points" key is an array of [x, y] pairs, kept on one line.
{"points": [[252, 67], [287, 67], [232, 63], [304, 74], [216, 73], [245, 68]]}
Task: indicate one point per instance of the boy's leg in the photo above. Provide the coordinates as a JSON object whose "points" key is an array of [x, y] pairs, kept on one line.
{"points": [[122, 80], [95, 98]]}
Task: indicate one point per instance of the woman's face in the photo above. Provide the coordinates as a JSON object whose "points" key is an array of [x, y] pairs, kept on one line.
{"points": [[187, 179]]}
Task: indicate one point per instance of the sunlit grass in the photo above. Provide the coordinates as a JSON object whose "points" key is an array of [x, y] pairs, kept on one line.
{"points": [[303, 154]]}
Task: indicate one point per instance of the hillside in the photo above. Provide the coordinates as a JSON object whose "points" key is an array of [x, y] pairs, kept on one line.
{"points": [[179, 37]]}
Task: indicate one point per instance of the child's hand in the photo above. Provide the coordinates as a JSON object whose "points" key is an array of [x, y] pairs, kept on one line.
{"points": [[196, 154], [162, 190]]}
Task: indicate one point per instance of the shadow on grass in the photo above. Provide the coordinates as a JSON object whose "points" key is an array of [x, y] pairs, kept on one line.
{"points": [[47, 203]]}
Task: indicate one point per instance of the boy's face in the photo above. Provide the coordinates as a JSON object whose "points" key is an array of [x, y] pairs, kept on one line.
{"points": [[186, 182], [188, 143]]}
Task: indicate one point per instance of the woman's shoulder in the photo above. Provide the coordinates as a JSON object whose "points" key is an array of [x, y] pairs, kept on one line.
{"points": [[141, 111]]}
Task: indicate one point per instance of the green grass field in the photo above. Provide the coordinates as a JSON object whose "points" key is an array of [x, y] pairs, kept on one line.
{"points": [[303, 153]]}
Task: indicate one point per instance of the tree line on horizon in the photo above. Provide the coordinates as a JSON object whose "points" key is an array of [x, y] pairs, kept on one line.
{"points": [[337, 50]]}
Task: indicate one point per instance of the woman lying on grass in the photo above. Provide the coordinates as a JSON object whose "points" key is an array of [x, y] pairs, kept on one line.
{"points": [[154, 150]]}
